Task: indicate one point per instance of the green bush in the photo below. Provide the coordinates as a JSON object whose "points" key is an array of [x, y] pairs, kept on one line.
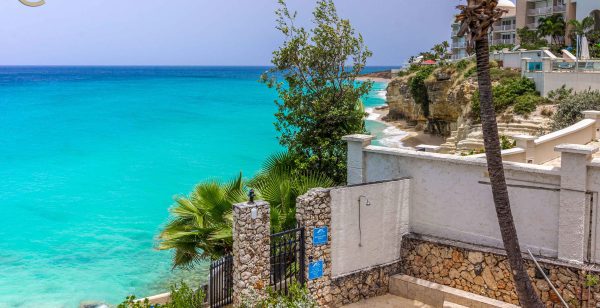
{"points": [[462, 65], [568, 111], [505, 94], [506, 143], [526, 104], [471, 72], [418, 90], [181, 297], [298, 297]]}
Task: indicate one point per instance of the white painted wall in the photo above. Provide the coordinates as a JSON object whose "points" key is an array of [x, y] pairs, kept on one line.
{"points": [[382, 223], [451, 198], [579, 81]]}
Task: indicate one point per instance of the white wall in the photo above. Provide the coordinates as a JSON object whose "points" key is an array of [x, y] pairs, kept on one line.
{"points": [[382, 224], [451, 197]]}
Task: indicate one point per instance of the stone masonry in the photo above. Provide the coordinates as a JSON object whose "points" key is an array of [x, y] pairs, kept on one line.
{"points": [[314, 210], [486, 272], [251, 252]]}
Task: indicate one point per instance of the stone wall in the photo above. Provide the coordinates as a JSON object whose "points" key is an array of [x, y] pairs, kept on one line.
{"points": [[251, 252], [314, 210], [486, 272]]}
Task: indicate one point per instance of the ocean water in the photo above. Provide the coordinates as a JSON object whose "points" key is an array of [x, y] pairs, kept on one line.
{"points": [[91, 157]]}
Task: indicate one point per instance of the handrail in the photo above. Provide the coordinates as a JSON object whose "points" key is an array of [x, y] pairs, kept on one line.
{"points": [[547, 279]]}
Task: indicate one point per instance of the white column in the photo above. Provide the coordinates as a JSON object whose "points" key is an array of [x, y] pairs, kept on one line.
{"points": [[527, 143], [572, 213], [355, 162], [594, 114]]}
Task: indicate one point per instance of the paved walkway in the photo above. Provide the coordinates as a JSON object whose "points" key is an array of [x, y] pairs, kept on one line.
{"points": [[388, 301]]}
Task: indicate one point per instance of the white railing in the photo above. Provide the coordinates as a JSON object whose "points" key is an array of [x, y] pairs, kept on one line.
{"points": [[503, 42], [540, 11], [504, 28], [459, 45]]}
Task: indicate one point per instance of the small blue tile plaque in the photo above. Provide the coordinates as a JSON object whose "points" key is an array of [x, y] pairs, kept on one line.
{"points": [[315, 270], [320, 236]]}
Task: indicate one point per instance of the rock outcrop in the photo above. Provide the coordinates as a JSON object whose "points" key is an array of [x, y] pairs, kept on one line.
{"points": [[450, 95]]}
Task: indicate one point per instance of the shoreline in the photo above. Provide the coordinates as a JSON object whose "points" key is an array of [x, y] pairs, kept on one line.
{"points": [[406, 137]]}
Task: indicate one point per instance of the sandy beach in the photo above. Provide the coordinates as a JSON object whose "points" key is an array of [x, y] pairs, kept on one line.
{"points": [[412, 138]]}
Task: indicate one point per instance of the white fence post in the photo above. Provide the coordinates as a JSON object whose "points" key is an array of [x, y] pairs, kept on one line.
{"points": [[527, 143], [595, 115], [572, 212], [356, 163]]}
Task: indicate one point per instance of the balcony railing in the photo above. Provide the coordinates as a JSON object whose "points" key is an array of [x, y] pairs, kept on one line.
{"points": [[459, 45], [505, 27], [503, 42], [547, 10]]}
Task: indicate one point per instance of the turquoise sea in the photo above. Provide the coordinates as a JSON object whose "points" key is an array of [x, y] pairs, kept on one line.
{"points": [[91, 157]]}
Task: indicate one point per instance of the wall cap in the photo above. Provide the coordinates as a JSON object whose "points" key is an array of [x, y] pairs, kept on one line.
{"points": [[576, 149], [244, 205], [358, 137], [524, 137], [591, 114]]}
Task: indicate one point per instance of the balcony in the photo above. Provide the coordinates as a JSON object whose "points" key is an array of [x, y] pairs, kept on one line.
{"points": [[459, 45], [503, 42], [501, 28], [548, 10]]}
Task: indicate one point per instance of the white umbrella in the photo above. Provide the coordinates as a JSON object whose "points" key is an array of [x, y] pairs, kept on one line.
{"points": [[585, 49]]}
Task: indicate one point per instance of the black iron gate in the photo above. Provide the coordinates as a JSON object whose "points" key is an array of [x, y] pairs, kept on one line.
{"points": [[220, 284], [287, 259]]}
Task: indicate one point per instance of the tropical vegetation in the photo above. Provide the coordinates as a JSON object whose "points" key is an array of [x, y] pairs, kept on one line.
{"points": [[475, 18], [297, 297], [569, 106], [201, 224], [315, 72], [182, 296], [516, 92]]}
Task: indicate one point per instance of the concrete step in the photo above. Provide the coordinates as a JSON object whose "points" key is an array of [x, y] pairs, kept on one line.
{"points": [[437, 295], [453, 305], [388, 301]]}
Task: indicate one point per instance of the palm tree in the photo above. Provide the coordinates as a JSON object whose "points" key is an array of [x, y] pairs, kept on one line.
{"points": [[476, 19], [583, 27], [201, 228], [553, 26], [280, 185]]}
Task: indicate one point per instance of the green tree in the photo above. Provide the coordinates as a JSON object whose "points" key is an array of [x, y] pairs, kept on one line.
{"points": [[201, 227], [531, 38], [553, 26], [278, 184], [585, 27], [476, 18], [319, 102]]}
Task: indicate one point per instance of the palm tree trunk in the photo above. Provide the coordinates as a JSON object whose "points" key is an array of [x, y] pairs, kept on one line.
{"points": [[525, 291]]}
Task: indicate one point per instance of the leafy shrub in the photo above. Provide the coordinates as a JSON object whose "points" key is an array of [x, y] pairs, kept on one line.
{"points": [[470, 72], [568, 111], [298, 297], [560, 94], [505, 94], [462, 65], [181, 297], [497, 74], [526, 104], [418, 90], [506, 143]]}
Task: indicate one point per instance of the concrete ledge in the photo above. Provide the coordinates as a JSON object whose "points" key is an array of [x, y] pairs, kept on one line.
{"points": [[358, 137], [437, 295], [576, 149]]}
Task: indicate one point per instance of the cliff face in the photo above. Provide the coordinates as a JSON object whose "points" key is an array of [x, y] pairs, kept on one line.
{"points": [[450, 94], [449, 101]]}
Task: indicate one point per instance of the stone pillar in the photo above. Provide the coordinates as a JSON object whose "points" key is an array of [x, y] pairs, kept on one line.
{"points": [[572, 212], [595, 115], [527, 143], [355, 161], [313, 210], [251, 252]]}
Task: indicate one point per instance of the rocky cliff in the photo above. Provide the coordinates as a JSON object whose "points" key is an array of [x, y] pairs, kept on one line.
{"points": [[449, 94]]}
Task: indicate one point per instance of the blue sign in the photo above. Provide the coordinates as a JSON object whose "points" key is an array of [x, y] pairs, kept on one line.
{"points": [[320, 236], [315, 270]]}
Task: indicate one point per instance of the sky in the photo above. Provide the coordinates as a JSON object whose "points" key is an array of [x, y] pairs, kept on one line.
{"points": [[202, 32]]}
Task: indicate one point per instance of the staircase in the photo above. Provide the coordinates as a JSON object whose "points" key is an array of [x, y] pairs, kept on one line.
{"points": [[436, 295]]}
